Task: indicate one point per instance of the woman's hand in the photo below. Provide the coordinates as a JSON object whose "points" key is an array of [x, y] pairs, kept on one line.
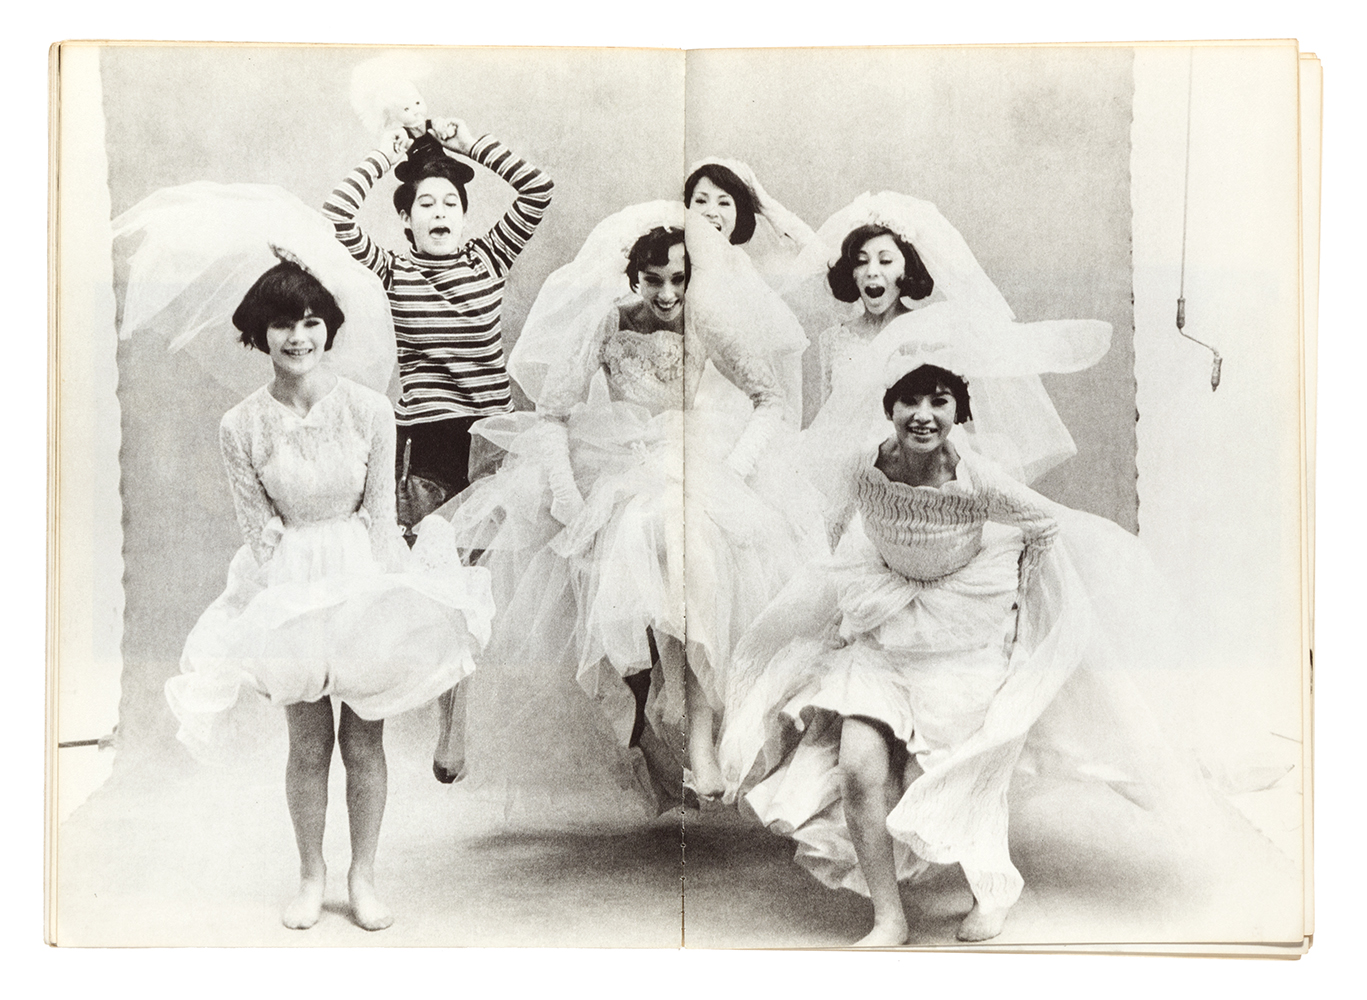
{"points": [[394, 142], [454, 134]]}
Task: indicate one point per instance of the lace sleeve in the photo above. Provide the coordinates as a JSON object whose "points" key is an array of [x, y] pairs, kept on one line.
{"points": [[840, 495], [1009, 502], [254, 507], [568, 383], [826, 352], [757, 377], [345, 201], [378, 499]]}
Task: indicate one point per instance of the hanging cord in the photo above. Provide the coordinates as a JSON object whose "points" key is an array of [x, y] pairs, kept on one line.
{"points": [[1182, 281]]}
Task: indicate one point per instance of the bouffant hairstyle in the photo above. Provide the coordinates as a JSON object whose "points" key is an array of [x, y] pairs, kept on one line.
{"points": [[739, 191], [652, 250], [282, 296], [427, 158], [915, 283], [927, 380]]}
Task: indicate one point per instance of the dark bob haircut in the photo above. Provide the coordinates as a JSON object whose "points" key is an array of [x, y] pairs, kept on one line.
{"points": [[739, 191], [427, 158], [652, 250], [927, 380], [280, 297], [915, 283]]}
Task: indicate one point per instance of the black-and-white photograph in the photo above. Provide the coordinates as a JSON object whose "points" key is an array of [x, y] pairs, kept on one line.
{"points": [[637, 498]]}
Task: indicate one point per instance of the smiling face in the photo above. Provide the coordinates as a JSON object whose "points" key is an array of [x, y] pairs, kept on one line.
{"points": [[714, 204], [923, 425], [661, 286], [878, 267], [297, 348], [436, 217], [407, 108]]}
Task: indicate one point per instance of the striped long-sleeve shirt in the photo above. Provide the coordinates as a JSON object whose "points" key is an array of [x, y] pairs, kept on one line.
{"points": [[447, 310]]}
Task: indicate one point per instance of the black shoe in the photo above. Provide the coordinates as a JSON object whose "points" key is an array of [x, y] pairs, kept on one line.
{"points": [[444, 776]]}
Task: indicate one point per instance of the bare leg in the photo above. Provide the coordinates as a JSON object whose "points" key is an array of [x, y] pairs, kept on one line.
{"points": [[306, 791], [702, 752], [367, 785], [866, 790], [448, 760]]}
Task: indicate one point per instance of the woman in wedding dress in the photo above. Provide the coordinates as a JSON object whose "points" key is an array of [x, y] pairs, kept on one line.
{"points": [[887, 255], [324, 603], [584, 526], [880, 705]]}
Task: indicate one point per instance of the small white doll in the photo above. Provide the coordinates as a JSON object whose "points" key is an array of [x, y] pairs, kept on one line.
{"points": [[385, 95]]}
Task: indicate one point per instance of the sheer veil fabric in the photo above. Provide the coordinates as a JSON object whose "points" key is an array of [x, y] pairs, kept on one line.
{"points": [[1015, 423], [581, 574], [197, 248], [1091, 677], [324, 599]]}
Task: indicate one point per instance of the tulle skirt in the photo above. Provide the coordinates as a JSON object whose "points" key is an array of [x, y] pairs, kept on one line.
{"points": [[976, 679], [324, 618], [631, 563]]}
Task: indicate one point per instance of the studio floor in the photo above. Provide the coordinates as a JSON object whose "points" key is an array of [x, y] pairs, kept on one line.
{"points": [[171, 852]]}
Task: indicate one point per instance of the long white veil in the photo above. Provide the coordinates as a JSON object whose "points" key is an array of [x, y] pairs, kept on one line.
{"points": [[574, 299], [733, 300], [999, 358], [203, 245], [1015, 421]]}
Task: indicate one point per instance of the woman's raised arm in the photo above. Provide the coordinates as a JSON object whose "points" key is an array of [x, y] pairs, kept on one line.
{"points": [[343, 204], [501, 245]]}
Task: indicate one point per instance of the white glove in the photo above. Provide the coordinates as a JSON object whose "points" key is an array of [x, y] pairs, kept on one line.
{"points": [[566, 500]]}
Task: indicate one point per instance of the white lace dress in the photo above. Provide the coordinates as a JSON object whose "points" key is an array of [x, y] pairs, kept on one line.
{"points": [[324, 599]]}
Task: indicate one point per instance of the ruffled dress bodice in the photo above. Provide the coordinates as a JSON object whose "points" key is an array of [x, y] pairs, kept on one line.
{"points": [[921, 532], [927, 533], [838, 347]]}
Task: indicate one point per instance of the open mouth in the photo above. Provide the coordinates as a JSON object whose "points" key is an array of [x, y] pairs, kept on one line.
{"points": [[439, 232], [874, 291]]}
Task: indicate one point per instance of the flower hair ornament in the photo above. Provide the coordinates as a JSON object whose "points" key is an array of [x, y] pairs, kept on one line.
{"points": [[193, 251]]}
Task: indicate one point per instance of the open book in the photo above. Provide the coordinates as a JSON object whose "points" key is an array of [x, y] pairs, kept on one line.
{"points": [[1097, 183]]}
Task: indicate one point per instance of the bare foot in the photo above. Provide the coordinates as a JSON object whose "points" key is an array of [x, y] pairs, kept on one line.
{"points": [[888, 935], [304, 909], [981, 925], [366, 908]]}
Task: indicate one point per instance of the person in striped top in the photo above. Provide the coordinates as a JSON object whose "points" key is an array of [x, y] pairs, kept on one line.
{"points": [[446, 295]]}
